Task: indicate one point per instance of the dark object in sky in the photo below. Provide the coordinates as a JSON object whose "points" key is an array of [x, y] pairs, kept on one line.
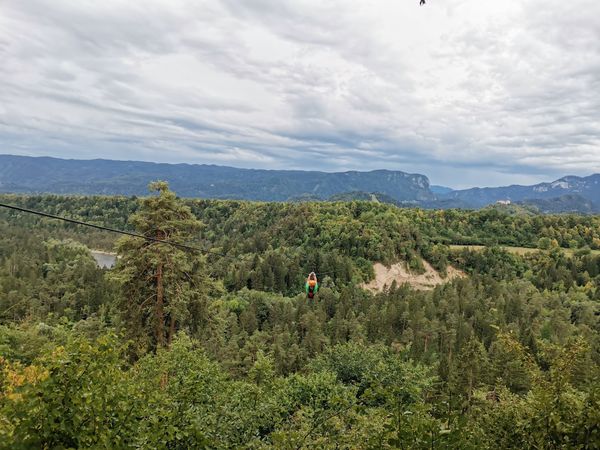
{"points": [[422, 2]]}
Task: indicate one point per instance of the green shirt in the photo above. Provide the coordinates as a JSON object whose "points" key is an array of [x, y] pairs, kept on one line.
{"points": [[307, 288]]}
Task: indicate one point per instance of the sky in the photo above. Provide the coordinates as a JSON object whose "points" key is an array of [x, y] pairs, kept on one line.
{"points": [[467, 92]]}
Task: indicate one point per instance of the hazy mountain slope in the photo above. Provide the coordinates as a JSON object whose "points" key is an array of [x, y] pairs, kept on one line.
{"points": [[440, 190], [28, 175], [570, 203], [586, 187], [52, 175]]}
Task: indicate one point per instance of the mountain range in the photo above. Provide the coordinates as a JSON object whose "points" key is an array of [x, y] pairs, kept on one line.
{"points": [[23, 174], [106, 177], [585, 187]]}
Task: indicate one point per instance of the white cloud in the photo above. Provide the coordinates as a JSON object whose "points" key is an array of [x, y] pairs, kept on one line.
{"points": [[465, 91]]}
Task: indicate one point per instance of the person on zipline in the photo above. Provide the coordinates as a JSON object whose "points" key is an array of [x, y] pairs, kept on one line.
{"points": [[312, 285]]}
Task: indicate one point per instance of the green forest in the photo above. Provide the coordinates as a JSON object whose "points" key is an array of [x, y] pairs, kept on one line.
{"points": [[218, 347]]}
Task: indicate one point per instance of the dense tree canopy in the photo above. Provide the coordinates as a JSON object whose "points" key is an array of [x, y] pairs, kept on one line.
{"points": [[163, 285], [507, 357]]}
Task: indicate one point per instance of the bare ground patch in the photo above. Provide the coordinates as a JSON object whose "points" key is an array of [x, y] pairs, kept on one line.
{"points": [[385, 276]]}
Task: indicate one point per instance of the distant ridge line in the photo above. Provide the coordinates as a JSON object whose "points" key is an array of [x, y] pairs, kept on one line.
{"points": [[46, 174]]}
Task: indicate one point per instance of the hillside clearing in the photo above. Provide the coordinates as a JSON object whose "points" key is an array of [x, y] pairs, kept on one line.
{"points": [[385, 276]]}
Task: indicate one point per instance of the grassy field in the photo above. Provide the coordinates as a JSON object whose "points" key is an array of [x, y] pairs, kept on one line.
{"points": [[517, 250]]}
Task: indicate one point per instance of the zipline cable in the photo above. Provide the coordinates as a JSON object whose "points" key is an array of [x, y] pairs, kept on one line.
{"points": [[128, 233], [122, 232], [113, 230]]}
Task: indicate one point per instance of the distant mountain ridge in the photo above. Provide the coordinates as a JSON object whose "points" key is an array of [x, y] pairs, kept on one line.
{"points": [[22, 174], [585, 187], [105, 177]]}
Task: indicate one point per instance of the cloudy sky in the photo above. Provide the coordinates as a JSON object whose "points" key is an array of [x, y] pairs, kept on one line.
{"points": [[468, 92]]}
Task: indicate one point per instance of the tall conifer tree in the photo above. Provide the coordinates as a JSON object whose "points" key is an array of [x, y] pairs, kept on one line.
{"points": [[165, 287]]}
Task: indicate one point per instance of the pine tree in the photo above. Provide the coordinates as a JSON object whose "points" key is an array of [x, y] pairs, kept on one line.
{"points": [[164, 287]]}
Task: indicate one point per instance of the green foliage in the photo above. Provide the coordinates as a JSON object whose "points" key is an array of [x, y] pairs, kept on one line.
{"points": [[163, 285], [47, 279], [507, 357], [81, 401]]}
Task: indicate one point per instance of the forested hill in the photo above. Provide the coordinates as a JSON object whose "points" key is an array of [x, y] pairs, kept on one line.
{"points": [[222, 348], [53, 175], [272, 245]]}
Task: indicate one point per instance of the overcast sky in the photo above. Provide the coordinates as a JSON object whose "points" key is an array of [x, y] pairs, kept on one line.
{"points": [[467, 92]]}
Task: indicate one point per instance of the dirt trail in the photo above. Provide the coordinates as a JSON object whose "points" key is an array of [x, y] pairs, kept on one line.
{"points": [[385, 276]]}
